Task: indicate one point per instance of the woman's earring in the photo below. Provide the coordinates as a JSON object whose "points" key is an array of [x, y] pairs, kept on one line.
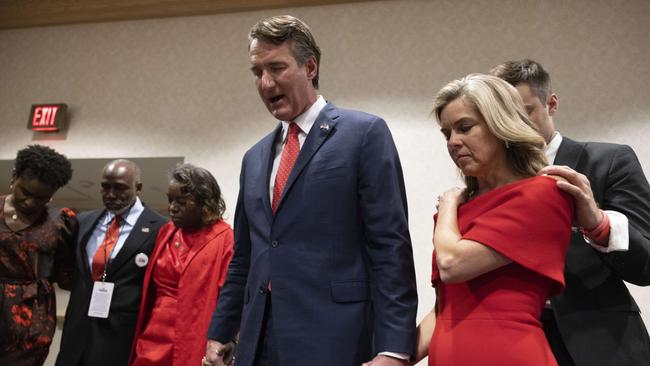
{"points": [[507, 144]]}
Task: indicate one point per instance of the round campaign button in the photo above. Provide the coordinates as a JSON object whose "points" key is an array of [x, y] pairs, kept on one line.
{"points": [[141, 260]]}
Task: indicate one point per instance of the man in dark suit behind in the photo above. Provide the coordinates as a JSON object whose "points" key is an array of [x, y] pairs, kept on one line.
{"points": [[595, 321], [116, 255], [323, 267]]}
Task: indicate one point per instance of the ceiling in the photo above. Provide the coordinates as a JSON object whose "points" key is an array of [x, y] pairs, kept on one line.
{"points": [[34, 13], [82, 193]]}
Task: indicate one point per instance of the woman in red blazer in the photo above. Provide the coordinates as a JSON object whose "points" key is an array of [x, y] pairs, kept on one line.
{"points": [[186, 271]]}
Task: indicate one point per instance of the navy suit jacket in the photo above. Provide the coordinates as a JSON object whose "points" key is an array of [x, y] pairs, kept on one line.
{"points": [[337, 251], [598, 319]]}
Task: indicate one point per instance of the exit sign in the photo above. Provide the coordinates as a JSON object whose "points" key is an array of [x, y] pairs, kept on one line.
{"points": [[47, 117]]}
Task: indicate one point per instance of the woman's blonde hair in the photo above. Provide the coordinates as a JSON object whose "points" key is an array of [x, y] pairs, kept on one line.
{"points": [[503, 110]]}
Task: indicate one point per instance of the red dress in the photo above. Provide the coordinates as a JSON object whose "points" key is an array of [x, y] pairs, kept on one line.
{"points": [[493, 319], [30, 260], [186, 271]]}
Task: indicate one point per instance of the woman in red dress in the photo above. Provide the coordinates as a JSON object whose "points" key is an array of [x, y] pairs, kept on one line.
{"points": [[500, 242], [35, 250], [186, 271]]}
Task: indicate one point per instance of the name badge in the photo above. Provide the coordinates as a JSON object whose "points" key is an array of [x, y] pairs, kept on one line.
{"points": [[100, 302]]}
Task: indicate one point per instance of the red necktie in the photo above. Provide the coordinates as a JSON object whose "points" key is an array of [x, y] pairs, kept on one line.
{"points": [[100, 259], [288, 159]]}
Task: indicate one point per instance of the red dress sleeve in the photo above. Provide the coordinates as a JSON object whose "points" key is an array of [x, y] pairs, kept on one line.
{"points": [[530, 223]]}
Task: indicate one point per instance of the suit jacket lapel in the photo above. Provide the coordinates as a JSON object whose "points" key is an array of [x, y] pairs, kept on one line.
{"points": [[139, 234], [86, 229], [569, 153], [315, 138]]}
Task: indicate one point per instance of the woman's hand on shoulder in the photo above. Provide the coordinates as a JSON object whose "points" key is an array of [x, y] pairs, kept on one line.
{"points": [[454, 197]]}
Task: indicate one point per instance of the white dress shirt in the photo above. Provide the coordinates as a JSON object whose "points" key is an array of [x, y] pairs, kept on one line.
{"points": [[304, 121], [619, 233], [126, 225]]}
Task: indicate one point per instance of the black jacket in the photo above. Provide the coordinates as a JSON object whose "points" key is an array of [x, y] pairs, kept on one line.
{"points": [[597, 317], [106, 342]]}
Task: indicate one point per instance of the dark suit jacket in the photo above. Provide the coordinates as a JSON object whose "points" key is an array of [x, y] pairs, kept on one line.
{"points": [[598, 319], [337, 252], [95, 341]]}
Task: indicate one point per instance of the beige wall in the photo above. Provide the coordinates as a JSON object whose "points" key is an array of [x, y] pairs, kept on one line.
{"points": [[181, 86]]}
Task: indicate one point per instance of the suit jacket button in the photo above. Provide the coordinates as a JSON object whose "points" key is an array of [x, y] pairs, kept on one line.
{"points": [[262, 289], [274, 243]]}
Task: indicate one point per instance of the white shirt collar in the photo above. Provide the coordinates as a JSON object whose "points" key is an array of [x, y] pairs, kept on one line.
{"points": [[307, 119], [133, 213], [553, 147]]}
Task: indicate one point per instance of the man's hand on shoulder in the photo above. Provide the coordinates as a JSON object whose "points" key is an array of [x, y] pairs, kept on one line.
{"points": [[219, 354], [587, 213], [383, 360]]}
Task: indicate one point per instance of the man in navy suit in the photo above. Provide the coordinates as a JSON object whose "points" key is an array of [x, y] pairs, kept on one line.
{"points": [[323, 267], [595, 321]]}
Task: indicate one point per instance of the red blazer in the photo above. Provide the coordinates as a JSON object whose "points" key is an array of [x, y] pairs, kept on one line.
{"points": [[202, 278]]}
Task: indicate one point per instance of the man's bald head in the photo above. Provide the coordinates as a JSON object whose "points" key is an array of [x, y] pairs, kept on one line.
{"points": [[121, 182]]}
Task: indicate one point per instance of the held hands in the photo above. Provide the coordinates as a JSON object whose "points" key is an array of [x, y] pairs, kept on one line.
{"points": [[587, 214], [383, 360], [219, 354]]}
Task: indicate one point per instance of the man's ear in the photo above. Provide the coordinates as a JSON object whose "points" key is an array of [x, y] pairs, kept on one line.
{"points": [[553, 103], [312, 67], [138, 188]]}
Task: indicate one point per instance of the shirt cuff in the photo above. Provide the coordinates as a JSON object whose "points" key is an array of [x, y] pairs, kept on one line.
{"points": [[619, 235], [401, 356]]}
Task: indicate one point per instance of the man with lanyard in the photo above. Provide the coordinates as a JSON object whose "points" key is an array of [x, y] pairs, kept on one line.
{"points": [[112, 252], [595, 321]]}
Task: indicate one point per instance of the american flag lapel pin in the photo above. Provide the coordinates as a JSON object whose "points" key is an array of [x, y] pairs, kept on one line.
{"points": [[145, 229], [324, 127]]}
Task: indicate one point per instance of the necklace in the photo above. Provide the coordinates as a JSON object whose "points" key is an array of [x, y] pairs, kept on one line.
{"points": [[14, 216]]}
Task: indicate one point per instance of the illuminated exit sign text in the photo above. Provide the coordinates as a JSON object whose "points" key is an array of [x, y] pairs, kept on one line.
{"points": [[47, 117]]}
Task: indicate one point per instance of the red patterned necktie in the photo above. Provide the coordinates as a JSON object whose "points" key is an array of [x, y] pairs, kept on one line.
{"points": [[100, 259], [288, 159]]}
